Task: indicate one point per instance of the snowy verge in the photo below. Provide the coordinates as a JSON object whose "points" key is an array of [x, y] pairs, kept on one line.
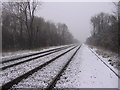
{"points": [[87, 71], [106, 57]]}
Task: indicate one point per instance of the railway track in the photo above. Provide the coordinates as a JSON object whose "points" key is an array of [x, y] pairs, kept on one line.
{"points": [[16, 80], [7, 64], [57, 77], [33, 54]]}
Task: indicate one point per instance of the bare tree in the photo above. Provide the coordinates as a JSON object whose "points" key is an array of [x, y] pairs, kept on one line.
{"points": [[23, 30], [105, 31]]}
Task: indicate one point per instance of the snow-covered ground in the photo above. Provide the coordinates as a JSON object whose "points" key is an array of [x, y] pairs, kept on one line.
{"points": [[13, 72], [87, 71], [44, 76]]}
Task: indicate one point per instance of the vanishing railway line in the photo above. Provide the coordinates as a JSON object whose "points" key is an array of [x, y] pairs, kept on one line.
{"points": [[11, 62], [33, 54], [57, 77], [35, 63]]}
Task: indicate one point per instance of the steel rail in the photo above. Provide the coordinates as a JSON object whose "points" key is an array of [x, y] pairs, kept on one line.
{"points": [[9, 84], [21, 57], [57, 77], [33, 58]]}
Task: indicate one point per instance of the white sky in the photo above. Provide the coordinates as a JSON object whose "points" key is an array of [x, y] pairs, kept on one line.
{"points": [[76, 15]]}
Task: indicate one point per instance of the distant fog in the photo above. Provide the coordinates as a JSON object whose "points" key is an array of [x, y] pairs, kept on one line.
{"points": [[75, 15]]}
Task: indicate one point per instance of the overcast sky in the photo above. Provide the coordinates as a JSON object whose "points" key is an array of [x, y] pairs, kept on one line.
{"points": [[75, 15]]}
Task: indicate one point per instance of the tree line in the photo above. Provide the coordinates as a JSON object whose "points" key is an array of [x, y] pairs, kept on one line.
{"points": [[21, 29], [106, 31]]}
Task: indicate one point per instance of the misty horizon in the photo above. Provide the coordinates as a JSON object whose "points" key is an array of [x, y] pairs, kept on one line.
{"points": [[76, 15]]}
